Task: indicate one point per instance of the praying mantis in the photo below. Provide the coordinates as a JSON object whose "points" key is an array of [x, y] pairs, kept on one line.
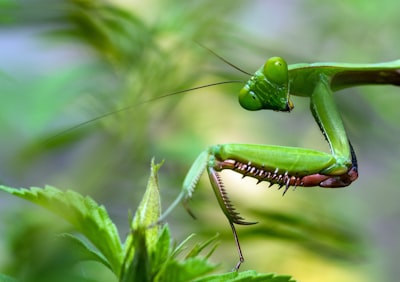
{"points": [[270, 88]]}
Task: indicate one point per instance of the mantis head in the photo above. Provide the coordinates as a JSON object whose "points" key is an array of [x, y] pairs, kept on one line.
{"points": [[267, 88]]}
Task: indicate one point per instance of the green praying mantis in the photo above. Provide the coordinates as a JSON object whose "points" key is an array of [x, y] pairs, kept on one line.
{"points": [[269, 89]]}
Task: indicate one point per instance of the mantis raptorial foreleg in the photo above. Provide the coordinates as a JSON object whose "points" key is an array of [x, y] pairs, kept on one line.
{"points": [[270, 88]]}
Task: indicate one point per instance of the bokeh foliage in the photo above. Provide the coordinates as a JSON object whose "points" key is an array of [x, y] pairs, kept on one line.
{"points": [[65, 62]]}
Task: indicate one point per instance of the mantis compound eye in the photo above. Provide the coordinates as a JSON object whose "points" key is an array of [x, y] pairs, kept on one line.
{"points": [[249, 100], [276, 71]]}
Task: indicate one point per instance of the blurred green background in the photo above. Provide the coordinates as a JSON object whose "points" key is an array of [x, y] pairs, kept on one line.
{"points": [[65, 62]]}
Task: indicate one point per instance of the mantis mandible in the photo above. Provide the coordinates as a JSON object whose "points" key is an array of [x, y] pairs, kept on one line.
{"points": [[270, 89]]}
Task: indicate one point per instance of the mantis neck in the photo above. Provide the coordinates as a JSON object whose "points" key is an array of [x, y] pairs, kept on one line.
{"points": [[340, 76]]}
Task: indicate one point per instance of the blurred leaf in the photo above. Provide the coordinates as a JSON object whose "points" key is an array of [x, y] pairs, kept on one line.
{"points": [[83, 213], [5, 278], [133, 54], [201, 246], [159, 57], [86, 251], [330, 239]]}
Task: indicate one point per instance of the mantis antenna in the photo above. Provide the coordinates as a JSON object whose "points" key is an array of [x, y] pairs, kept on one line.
{"points": [[127, 108], [130, 107]]}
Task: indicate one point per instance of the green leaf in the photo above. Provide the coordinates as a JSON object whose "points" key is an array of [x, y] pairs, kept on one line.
{"points": [[201, 246], [249, 275], [192, 266], [167, 266], [86, 251], [83, 213], [186, 270], [148, 254], [182, 245], [137, 268], [162, 254], [330, 240]]}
